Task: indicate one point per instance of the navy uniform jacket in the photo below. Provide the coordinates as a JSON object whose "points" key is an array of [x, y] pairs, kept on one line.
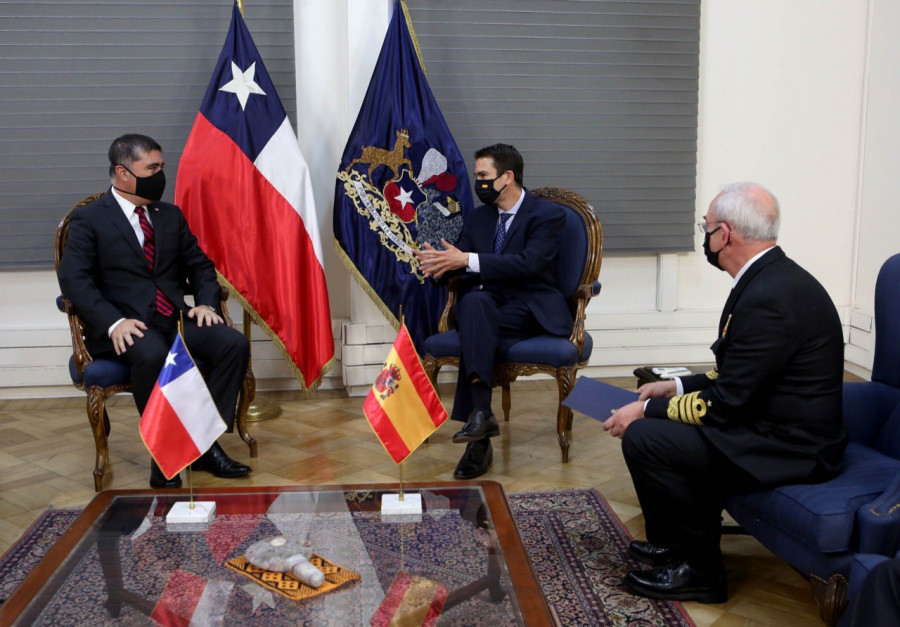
{"points": [[106, 276], [773, 404], [527, 265]]}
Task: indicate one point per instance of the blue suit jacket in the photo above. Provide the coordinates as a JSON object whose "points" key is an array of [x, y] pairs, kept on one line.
{"points": [[526, 267]]}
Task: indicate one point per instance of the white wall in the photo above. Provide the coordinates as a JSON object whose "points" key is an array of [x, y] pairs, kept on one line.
{"points": [[879, 215], [796, 95]]}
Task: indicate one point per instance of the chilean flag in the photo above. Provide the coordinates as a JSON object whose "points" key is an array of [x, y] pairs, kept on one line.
{"points": [[181, 421], [245, 190]]}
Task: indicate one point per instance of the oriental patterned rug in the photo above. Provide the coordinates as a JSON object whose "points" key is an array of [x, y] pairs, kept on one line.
{"points": [[576, 544]]}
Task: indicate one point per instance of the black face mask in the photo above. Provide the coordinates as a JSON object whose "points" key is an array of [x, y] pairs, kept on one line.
{"points": [[485, 191], [149, 187], [711, 257]]}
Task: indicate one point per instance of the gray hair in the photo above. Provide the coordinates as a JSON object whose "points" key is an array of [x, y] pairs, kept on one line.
{"points": [[750, 209]]}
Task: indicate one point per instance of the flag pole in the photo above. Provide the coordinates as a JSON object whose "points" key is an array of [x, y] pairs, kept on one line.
{"points": [[240, 4], [190, 483], [402, 322], [260, 409]]}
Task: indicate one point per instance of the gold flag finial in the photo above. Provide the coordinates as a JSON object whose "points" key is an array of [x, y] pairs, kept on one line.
{"points": [[240, 4]]}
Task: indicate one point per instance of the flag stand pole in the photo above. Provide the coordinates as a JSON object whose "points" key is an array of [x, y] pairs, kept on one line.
{"points": [[260, 409], [401, 481]]}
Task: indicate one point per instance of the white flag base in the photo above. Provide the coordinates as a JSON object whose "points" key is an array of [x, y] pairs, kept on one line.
{"points": [[182, 513], [391, 505]]}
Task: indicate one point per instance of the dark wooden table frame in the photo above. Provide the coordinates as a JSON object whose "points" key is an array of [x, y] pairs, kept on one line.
{"points": [[534, 608]]}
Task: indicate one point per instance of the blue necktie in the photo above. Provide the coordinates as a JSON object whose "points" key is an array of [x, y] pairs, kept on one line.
{"points": [[500, 237]]}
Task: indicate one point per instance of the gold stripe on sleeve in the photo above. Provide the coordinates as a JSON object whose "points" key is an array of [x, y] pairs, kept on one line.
{"points": [[687, 408]]}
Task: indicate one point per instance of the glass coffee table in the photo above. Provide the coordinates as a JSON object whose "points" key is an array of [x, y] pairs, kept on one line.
{"points": [[120, 563]]}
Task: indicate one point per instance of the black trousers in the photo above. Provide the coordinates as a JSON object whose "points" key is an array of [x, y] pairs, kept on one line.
{"points": [[488, 324], [681, 481], [221, 352], [877, 602]]}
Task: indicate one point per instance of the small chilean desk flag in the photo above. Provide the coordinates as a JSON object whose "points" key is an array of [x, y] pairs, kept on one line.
{"points": [[402, 406], [181, 421]]}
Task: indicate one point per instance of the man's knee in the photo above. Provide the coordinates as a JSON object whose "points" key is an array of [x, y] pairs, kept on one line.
{"points": [[637, 438]]}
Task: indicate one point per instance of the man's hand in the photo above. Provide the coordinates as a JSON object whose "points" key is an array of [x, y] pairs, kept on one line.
{"points": [[204, 314], [124, 332], [435, 262], [657, 389], [619, 421]]}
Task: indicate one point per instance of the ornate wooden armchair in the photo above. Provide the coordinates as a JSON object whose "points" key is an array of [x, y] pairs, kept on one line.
{"points": [[103, 378], [579, 267]]}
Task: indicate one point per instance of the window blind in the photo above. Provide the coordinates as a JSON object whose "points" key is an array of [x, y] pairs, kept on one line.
{"points": [[74, 75], [599, 96]]}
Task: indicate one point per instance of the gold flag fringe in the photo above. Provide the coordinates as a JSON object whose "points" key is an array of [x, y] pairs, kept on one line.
{"points": [[412, 33], [277, 340]]}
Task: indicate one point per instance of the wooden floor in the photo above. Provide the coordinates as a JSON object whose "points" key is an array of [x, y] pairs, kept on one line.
{"points": [[47, 457]]}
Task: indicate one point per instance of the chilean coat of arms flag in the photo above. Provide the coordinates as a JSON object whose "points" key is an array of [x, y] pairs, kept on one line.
{"points": [[402, 182], [402, 407], [181, 420], [245, 191]]}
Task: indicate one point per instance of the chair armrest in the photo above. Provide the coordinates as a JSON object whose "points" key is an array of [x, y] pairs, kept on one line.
{"points": [[76, 330], [582, 297], [453, 286], [879, 522]]}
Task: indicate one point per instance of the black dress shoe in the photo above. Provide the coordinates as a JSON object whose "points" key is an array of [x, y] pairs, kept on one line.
{"points": [[480, 425], [218, 463], [678, 582], [475, 461], [158, 479], [651, 554]]}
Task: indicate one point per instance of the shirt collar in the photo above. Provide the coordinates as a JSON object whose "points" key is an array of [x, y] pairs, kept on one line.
{"points": [[127, 206], [512, 210], [737, 277]]}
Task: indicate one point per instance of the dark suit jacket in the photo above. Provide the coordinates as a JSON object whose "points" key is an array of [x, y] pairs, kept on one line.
{"points": [[774, 404], [526, 267], [104, 273]]}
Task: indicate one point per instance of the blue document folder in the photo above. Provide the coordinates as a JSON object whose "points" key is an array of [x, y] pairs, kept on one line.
{"points": [[597, 399]]}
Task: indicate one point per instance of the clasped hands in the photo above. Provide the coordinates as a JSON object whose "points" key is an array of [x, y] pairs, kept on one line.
{"points": [[624, 416], [435, 263], [123, 335]]}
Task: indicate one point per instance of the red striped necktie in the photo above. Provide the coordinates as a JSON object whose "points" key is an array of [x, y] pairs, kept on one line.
{"points": [[163, 304]]}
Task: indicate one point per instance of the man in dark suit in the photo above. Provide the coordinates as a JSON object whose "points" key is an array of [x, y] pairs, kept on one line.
{"points": [[768, 415], [508, 250], [127, 260]]}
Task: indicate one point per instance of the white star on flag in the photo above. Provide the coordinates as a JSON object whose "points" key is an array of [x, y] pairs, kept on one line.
{"points": [[170, 359], [405, 197], [242, 83]]}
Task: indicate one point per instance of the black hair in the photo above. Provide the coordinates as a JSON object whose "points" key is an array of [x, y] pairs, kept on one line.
{"points": [[127, 149], [505, 158]]}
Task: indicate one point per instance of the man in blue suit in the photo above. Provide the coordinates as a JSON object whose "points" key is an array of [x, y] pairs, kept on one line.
{"points": [[508, 252]]}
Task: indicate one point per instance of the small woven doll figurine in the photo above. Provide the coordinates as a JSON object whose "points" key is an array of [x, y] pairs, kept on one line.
{"points": [[285, 556]]}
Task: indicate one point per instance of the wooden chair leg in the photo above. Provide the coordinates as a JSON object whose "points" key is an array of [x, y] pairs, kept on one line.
{"points": [[507, 402], [99, 420], [831, 597], [565, 379], [245, 397]]}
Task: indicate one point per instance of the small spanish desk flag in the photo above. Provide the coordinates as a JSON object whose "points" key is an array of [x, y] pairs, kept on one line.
{"points": [[402, 407], [181, 421]]}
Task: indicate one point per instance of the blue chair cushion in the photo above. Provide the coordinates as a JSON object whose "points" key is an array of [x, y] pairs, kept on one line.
{"points": [[102, 373], [823, 514], [572, 256], [547, 350]]}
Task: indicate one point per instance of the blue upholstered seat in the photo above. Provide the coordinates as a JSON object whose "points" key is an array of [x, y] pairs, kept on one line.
{"points": [[579, 266], [821, 530]]}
